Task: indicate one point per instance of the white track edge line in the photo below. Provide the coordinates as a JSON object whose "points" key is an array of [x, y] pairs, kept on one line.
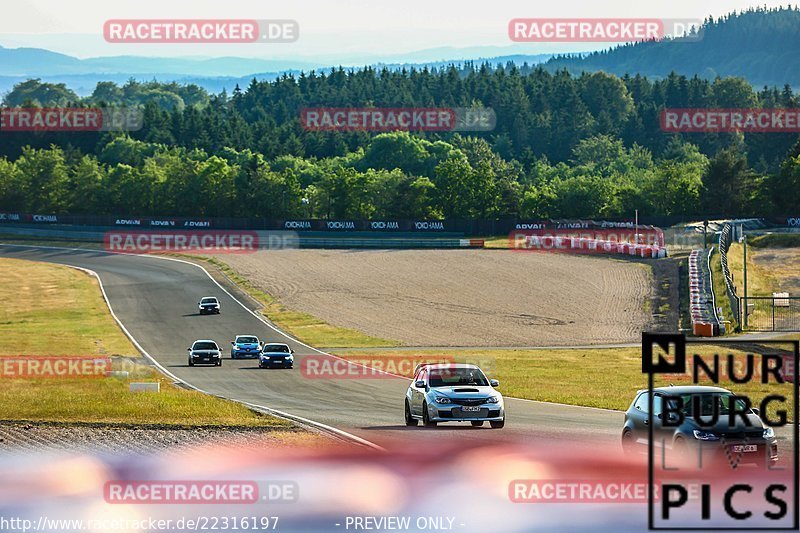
{"points": [[287, 416]]}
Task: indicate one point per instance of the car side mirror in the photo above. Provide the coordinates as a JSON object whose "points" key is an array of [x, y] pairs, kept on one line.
{"points": [[419, 384], [291, 351], [233, 343], [494, 383], [188, 349]]}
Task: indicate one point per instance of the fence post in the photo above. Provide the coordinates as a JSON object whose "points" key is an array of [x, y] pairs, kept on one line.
{"points": [[746, 309]]}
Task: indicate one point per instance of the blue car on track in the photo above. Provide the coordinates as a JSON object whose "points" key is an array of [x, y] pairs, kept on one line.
{"points": [[245, 346], [276, 355]]}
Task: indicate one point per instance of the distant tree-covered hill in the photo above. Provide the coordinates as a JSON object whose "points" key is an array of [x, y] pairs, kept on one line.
{"points": [[761, 45]]}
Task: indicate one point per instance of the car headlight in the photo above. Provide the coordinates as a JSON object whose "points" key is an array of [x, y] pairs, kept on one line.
{"points": [[289, 357], [769, 433], [492, 399], [442, 399], [704, 435]]}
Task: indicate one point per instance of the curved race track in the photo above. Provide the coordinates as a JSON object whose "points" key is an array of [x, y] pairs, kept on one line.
{"points": [[156, 301]]}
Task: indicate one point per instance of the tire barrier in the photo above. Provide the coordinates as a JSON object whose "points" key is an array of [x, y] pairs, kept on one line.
{"points": [[565, 244], [702, 306]]}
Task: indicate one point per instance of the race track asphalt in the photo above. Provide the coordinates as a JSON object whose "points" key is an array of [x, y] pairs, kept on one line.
{"points": [[156, 301]]}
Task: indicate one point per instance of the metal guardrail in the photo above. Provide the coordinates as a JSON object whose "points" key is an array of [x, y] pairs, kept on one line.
{"points": [[701, 295], [387, 243], [298, 240], [725, 240]]}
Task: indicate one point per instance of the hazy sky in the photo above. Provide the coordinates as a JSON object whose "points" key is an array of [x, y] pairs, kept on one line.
{"points": [[327, 27]]}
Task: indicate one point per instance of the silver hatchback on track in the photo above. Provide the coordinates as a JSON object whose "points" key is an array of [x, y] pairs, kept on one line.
{"points": [[447, 392]]}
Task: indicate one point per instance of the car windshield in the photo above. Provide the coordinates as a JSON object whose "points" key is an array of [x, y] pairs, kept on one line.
{"points": [[208, 301], [449, 377], [276, 348], [247, 340], [707, 403], [204, 346]]}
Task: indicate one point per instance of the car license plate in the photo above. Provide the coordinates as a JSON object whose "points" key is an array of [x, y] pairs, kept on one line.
{"points": [[471, 408], [744, 448]]}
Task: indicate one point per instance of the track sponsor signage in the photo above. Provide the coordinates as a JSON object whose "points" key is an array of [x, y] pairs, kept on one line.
{"points": [[384, 225], [364, 225], [163, 222], [340, 225], [581, 224], [297, 224], [466, 227]]}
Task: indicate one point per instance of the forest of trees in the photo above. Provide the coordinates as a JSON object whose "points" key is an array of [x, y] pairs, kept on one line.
{"points": [[564, 146], [761, 44]]}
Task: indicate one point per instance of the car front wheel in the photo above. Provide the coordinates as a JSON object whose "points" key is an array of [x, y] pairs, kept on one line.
{"points": [[410, 420], [425, 420], [191, 363], [627, 443], [498, 425]]}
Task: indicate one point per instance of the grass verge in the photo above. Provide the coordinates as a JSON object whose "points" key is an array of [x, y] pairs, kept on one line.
{"points": [[53, 310], [604, 378], [775, 240]]}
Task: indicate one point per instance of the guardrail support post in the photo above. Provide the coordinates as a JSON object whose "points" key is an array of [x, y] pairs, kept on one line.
{"points": [[746, 309]]}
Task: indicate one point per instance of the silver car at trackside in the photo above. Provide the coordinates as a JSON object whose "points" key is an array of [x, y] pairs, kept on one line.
{"points": [[453, 392]]}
